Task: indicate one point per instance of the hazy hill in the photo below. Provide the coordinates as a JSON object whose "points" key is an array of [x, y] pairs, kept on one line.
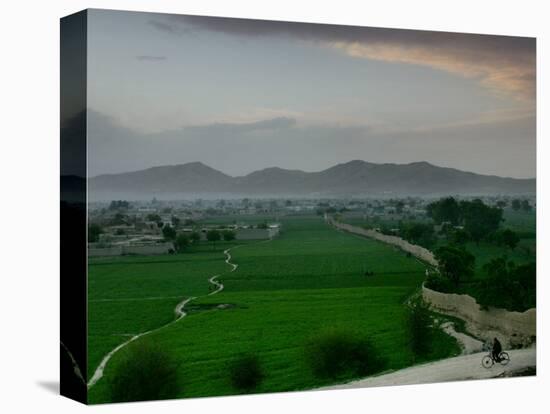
{"points": [[357, 178]]}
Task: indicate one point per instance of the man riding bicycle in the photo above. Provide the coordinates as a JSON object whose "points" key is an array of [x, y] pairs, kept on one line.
{"points": [[497, 349]]}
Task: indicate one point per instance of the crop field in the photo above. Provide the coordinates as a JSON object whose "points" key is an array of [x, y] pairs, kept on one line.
{"points": [[309, 279], [242, 218], [381, 221], [523, 223], [133, 294]]}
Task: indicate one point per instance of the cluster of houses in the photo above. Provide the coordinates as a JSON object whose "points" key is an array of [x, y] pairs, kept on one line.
{"points": [[140, 229], [129, 227]]}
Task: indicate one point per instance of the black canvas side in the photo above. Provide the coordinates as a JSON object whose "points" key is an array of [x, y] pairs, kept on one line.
{"points": [[73, 218]]}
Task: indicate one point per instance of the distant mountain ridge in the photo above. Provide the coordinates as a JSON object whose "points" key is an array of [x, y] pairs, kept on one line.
{"points": [[354, 178]]}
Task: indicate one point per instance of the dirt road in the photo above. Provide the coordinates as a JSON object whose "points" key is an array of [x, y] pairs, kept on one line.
{"points": [[463, 367]]}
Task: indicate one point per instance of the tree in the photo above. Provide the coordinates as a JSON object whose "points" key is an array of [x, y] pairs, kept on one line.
{"points": [[154, 217], [507, 238], [132, 377], [399, 207], [195, 237], [213, 236], [338, 353], [169, 233], [525, 206], [246, 372], [175, 221], [460, 237], [501, 203], [455, 263], [94, 230], [119, 205], [228, 235], [118, 219], [182, 242], [418, 233], [480, 220], [508, 285], [446, 209], [516, 204]]}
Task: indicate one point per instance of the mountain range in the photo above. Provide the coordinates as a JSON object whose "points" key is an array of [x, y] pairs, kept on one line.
{"points": [[354, 178]]}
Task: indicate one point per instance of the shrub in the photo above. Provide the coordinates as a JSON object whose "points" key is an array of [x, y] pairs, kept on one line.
{"points": [[145, 372], [213, 236], [228, 235], [182, 242], [506, 238], [169, 233], [339, 354], [246, 372], [420, 329], [439, 283], [508, 285], [418, 233], [94, 230]]}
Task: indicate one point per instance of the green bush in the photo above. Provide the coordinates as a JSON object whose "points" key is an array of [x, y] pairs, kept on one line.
{"points": [[419, 326], [246, 372], [145, 372], [439, 283], [342, 354], [508, 285]]}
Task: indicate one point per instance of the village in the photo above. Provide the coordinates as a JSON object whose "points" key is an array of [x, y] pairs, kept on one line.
{"points": [[152, 227]]}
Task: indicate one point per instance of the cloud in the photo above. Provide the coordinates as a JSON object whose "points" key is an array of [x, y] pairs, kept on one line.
{"points": [[164, 26], [273, 124], [151, 58], [503, 64], [497, 69], [494, 144]]}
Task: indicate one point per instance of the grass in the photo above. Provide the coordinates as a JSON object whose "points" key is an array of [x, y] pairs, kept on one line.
{"points": [[284, 292], [523, 223], [133, 294], [244, 218]]}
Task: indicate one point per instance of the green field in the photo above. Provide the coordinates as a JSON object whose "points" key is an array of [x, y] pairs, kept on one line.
{"points": [[523, 223], [133, 294], [284, 291]]}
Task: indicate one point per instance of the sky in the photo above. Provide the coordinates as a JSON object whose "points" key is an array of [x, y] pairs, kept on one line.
{"points": [[241, 95]]}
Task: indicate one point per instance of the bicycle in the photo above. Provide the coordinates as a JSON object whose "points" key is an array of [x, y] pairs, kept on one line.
{"points": [[488, 361]]}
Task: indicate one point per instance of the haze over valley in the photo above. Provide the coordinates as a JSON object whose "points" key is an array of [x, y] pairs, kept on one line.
{"points": [[354, 178]]}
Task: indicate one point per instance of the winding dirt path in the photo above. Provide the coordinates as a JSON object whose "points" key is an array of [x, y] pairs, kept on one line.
{"points": [[459, 368], [179, 312]]}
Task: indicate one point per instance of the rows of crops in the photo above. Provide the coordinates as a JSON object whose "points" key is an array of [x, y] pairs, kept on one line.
{"points": [[308, 279]]}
